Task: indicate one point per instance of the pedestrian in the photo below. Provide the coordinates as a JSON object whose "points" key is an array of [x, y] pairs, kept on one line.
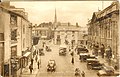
{"points": [[69, 49], [102, 50], [32, 61], [83, 74], [38, 63], [31, 68], [72, 53], [96, 47], [72, 60], [109, 54], [37, 52], [36, 58]]}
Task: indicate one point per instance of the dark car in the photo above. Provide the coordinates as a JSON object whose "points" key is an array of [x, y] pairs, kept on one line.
{"points": [[41, 53], [107, 71], [91, 57], [81, 49], [83, 56], [94, 64], [51, 66]]}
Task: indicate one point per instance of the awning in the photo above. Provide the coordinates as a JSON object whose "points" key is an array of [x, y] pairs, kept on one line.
{"points": [[26, 54]]}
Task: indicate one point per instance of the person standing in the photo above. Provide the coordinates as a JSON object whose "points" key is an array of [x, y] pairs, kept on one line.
{"points": [[96, 49], [83, 74], [38, 63], [102, 50], [109, 54], [72, 60], [36, 58], [31, 68], [32, 61]]}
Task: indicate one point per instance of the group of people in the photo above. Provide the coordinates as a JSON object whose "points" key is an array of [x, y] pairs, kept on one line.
{"points": [[101, 50], [37, 61], [104, 52], [79, 73]]}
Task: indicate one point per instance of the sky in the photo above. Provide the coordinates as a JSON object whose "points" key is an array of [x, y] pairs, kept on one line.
{"points": [[67, 11]]}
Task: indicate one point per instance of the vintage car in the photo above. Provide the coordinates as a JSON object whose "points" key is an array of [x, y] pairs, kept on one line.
{"points": [[107, 71], [94, 64], [41, 52], [81, 49], [91, 57], [62, 50], [51, 66], [83, 56]]}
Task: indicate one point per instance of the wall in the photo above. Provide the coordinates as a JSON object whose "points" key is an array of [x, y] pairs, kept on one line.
{"points": [[6, 24]]}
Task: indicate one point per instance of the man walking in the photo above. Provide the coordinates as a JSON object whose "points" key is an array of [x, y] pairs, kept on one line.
{"points": [[38, 64], [36, 58], [102, 50], [31, 68], [83, 74], [72, 60], [32, 61]]}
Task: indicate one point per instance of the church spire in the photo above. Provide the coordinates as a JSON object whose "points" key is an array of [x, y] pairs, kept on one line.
{"points": [[55, 20]]}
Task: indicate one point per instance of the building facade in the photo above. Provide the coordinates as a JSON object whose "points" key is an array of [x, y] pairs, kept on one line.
{"points": [[15, 32], [103, 28], [43, 30], [66, 34]]}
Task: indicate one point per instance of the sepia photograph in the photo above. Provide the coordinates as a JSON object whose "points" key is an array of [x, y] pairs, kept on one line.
{"points": [[59, 38]]}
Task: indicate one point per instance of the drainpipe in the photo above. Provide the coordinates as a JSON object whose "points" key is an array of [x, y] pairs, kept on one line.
{"points": [[21, 48]]}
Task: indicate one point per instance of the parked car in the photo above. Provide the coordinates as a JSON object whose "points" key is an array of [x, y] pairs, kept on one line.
{"points": [[83, 56], [107, 71], [41, 53], [91, 57], [81, 49], [94, 64], [62, 50], [51, 66]]}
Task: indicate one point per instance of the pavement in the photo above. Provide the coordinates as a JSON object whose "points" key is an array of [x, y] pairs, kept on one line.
{"points": [[26, 71]]}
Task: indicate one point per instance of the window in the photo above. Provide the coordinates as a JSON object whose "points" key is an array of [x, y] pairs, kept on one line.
{"points": [[14, 35], [1, 37], [23, 29], [13, 20], [24, 43], [13, 51]]}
